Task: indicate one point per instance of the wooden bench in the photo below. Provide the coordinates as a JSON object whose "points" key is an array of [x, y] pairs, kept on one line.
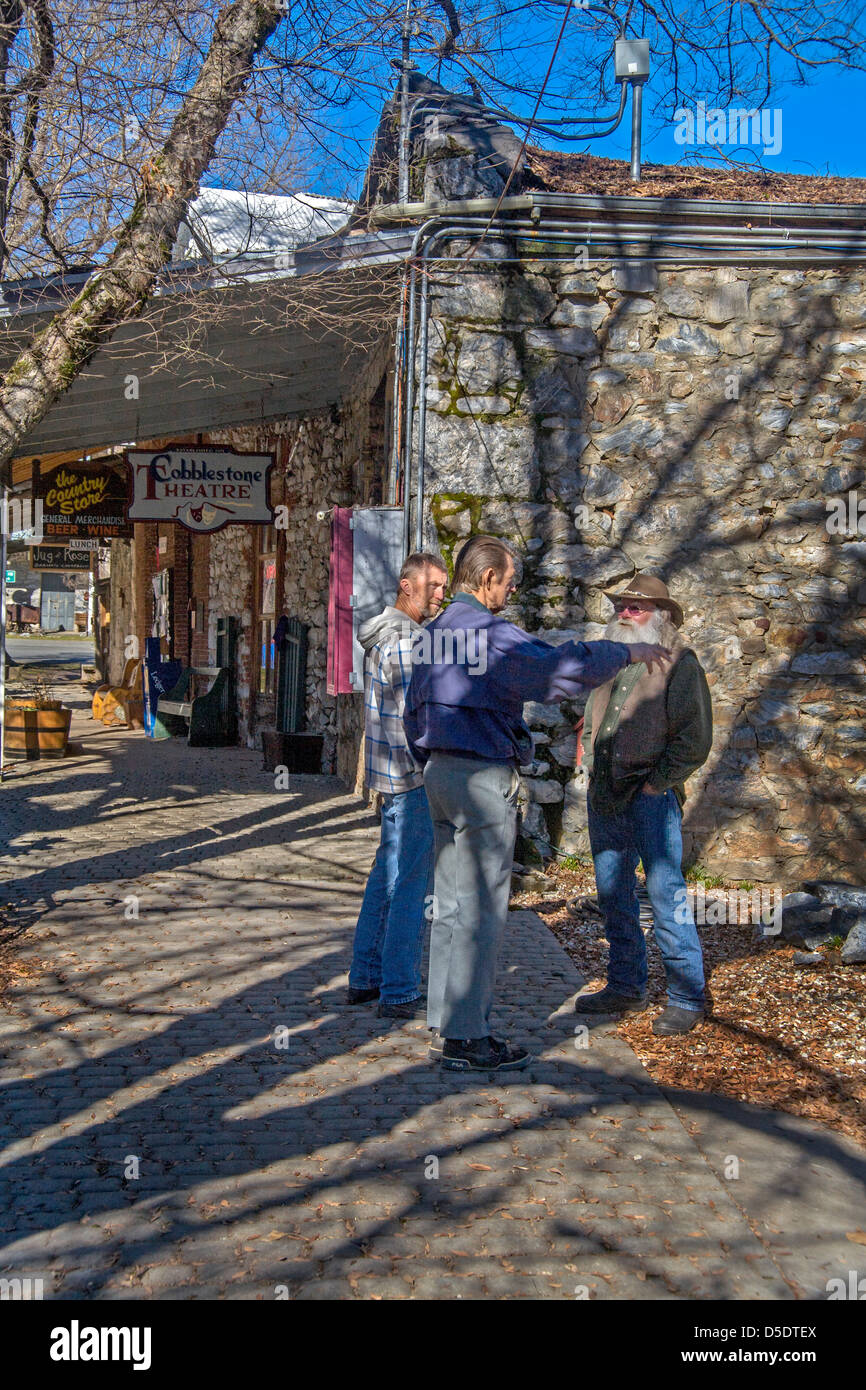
{"points": [[201, 699]]}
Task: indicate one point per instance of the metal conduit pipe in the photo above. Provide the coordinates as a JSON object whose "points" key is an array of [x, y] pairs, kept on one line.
{"points": [[556, 134], [719, 254], [681, 248], [399, 349], [409, 392], [708, 238], [581, 205], [409, 368]]}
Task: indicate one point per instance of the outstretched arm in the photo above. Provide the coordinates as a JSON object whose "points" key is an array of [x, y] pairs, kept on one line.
{"points": [[536, 671]]}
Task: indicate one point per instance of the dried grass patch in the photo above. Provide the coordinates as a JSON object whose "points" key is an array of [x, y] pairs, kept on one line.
{"points": [[792, 1038]]}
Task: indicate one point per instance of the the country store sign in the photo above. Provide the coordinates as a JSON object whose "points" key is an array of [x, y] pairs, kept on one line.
{"points": [[203, 489], [81, 500]]}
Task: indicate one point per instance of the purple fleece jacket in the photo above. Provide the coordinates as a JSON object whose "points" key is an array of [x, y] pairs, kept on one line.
{"points": [[470, 682]]}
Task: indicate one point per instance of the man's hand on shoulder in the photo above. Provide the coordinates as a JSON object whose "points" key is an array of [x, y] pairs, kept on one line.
{"points": [[649, 654]]}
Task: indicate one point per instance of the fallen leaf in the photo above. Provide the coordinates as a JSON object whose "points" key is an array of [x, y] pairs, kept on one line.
{"points": [[858, 1237]]}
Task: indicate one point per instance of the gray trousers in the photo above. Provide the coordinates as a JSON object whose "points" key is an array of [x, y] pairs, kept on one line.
{"points": [[473, 803]]}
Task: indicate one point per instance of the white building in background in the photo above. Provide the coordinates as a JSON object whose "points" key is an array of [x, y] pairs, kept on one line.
{"points": [[221, 222]]}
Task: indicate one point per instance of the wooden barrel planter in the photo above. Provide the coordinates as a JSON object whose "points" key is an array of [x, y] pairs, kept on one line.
{"points": [[32, 732]]}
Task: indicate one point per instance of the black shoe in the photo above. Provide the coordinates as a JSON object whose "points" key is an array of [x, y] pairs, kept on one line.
{"points": [[361, 996], [609, 1001], [676, 1020], [410, 1009], [482, 1054]]}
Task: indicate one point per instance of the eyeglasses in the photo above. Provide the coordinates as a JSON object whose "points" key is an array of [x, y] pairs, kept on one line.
{"points": [[638, 607]]}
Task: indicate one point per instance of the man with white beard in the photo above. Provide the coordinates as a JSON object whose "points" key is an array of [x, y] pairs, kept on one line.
{"points": [[644, 733]]}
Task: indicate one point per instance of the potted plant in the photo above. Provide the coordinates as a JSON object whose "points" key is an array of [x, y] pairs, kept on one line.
{"points": [[37, 725]]}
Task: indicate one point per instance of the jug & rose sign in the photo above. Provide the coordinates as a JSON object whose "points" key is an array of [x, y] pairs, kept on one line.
{"points": [[203, 489]]}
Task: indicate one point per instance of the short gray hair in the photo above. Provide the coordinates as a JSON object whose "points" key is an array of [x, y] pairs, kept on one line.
{"points": [[478, 555], [419, 561]]}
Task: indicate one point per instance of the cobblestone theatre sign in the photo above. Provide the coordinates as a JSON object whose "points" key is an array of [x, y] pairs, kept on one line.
{"points": [[203, 489]]}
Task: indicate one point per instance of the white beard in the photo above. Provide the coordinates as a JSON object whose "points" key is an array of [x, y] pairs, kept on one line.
{"points": [[658, 630]]}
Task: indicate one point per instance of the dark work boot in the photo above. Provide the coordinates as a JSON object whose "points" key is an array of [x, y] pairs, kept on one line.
{"points": [[482, 1054], [410, 1009], [676, 1020], [361, 996], [609, 1001]]}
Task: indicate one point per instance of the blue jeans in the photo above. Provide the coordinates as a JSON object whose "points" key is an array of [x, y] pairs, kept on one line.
{"points": [[390, 931], [649, 829]]}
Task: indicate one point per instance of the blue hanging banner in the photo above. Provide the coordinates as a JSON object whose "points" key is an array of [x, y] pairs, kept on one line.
{"points": [[159, 677]]}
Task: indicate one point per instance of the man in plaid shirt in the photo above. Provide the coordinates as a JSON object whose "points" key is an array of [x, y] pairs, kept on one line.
{"points": [[386, 956]]}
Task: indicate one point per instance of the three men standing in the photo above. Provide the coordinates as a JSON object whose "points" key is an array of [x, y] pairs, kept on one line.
{"points": [[465, 722], [386, 956], [645, 731], [445, 736]]}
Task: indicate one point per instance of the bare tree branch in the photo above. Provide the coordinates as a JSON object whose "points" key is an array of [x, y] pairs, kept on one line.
{"points": [[117, 292]]}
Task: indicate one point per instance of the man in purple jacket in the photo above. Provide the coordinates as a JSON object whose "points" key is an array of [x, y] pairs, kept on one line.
{"points": [[472, 672]]}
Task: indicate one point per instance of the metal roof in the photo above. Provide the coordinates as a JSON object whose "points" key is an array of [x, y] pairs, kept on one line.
{"points": [[222, 222], [213, 350]]}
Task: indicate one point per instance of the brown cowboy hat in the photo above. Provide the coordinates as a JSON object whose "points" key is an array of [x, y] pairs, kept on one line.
{"points": [[648, 587]]}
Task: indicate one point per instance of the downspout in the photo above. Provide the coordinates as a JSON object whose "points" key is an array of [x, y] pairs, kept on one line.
{"points": [[409, 366]]}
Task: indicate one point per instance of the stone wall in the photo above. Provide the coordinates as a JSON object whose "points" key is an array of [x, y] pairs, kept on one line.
{"points": [[121, 607], [230, 595], [696, 423]]}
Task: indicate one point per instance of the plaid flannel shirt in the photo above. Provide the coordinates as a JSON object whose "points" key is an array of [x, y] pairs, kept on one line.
{"points": [[389, 766]]}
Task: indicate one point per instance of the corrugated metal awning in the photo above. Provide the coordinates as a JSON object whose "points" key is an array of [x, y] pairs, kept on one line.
{"points": [[259, 346]]}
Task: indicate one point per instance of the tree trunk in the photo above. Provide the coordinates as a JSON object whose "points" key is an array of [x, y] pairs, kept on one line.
{"points": [[120, 289]]}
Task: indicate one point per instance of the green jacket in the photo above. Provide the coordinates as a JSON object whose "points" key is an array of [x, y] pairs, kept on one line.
{"points": [[689, 713]]}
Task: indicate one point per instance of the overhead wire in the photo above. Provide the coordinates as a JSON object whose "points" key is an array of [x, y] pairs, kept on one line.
{"points": [[525, 141]]}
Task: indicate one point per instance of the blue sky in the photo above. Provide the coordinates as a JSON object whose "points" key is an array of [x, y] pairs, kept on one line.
{"points": [[822, 130], [821, 124]]}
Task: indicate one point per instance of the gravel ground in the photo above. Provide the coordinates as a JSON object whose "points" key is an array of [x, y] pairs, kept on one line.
{"points": [[788, 1037]]}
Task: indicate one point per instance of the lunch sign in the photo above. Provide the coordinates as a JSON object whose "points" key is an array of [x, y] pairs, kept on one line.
{"points": [[203, 489]]}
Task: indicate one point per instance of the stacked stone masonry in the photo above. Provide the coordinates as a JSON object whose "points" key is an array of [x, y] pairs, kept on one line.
{"points": [[707, 425]]}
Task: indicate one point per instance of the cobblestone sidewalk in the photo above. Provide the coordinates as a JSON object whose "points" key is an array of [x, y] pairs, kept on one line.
{"points": [[189, 1110]]}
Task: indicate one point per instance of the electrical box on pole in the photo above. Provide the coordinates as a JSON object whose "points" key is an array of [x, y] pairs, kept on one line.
{"points": [[632, 61]]}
